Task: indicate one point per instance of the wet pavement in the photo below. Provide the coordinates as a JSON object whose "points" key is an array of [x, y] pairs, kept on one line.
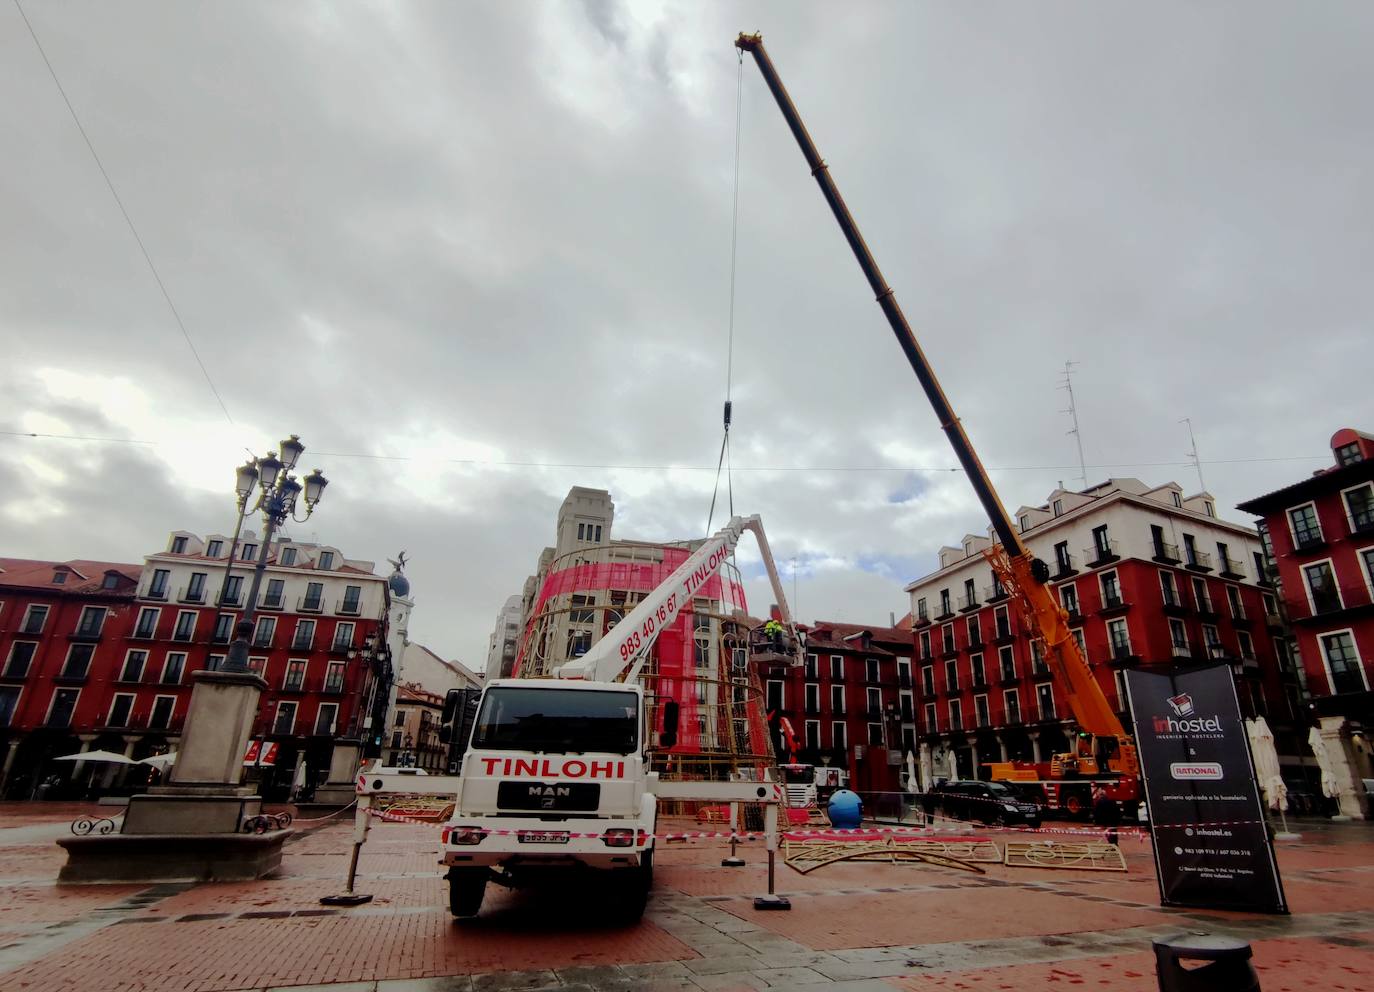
{"points": [[853, 926]]}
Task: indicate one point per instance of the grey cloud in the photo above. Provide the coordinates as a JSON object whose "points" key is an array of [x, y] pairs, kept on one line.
{"points": [[503, 224]]}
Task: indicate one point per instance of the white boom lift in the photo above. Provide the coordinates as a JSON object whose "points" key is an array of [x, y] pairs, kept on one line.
{"points": [[555, 782]]}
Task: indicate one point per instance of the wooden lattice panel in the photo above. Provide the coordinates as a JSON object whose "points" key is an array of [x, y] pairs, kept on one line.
{"points": [[806, 856], [1050, 854]]}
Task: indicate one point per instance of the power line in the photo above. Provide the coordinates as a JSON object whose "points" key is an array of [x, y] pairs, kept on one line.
{"points": [[508, 463], [127, 219]]}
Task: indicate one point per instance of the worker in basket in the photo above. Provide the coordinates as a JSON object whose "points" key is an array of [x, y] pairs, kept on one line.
{"points": [[774, 632]]}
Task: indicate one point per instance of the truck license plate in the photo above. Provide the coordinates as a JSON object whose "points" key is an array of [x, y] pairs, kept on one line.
{"points": [[543, 836]]}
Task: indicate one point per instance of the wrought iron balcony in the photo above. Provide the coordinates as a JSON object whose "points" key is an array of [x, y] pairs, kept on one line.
{"points": [[1101, 553], [1166, 554], [1231, 569], [352, 607], [189, 595], [1199, 561], [310, 604], [967, 603]]}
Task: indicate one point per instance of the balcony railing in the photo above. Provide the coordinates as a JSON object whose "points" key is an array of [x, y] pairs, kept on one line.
{"points": [[231, 597], [994, 594], [145, 631], [1232, 569], [270, 601], [1166, 553], [301, 642], [1121, 650], [352, 607], [1008, 673], [945, 612], [1004, 630], [1205, 609], [223, 634], [310, 604], [1219, 652], [264, 638], [184, 633], [1199, 561], [1173, 601], [86, 632], [1183, 649], [1309, 541], [922, 618], [189, 595], [1065, 565], [1113, 602], [33, 624], [341, 644], [967, 603], [975, 639], [294, 684], [1101, 553], [156, 592], [1273, 620], [334, 686]]}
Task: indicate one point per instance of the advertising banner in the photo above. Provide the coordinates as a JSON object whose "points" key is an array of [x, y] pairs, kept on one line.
{"points": [[1207, 824]]}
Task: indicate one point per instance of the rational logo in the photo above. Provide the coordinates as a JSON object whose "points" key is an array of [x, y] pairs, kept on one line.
{"points": [[1186, 770]]}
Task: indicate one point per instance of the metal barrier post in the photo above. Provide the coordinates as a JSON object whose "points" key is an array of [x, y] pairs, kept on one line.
{"points": [[361, 822], [772, 900], [734, 860]]}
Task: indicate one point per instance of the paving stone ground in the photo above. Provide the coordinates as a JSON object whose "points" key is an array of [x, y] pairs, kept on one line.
{"points": [[853, 927]]}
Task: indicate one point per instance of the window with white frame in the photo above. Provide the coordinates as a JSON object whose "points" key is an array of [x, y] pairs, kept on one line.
{"points": [[1078, 639], [61, 707], [133, 666], [1202, 599], [1343, 668], [1359, 507], [305, 635], [172, 667], [1321, 587], [1119, 637], [839, 735], [837, 668], [121, 710], [91, 622], [812, 667], [1068, 598], [1367, 560], [161, 716], [1306, 528], [295, 676], [265, 632], [975, 664], [1120, 678], [1212, 639], [343, 636], [325, 718], [286, 718], [288, 556], [813, 697], [78, 661], [1247, 646], [1044, 700], [981, 711], [214, 549], [1168, 588], [956, 715], [147, 622], [837, 699], [875, 701], [35, 617], [928, 679], [932, 721], [774, 698], [952, 675], [947, 637], [1011, 702], [925, 644], [1111, 590], [871, 670], [974, 631], [1178, 635], [1233, 601], [813, 734], [21, 657]]}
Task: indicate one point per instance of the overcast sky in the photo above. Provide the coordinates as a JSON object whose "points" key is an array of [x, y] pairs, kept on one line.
{"points": [[462, 236]]}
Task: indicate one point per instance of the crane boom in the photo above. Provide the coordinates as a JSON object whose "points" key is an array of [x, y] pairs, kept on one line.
{"points": [[1016, 568], [625, 647]]}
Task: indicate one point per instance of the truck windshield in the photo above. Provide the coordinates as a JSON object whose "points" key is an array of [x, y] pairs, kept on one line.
{"points": [[798, 774], [565, 721]]}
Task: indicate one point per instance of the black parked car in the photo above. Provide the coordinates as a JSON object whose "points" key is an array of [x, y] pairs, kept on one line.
{"points": [[987, 802]]}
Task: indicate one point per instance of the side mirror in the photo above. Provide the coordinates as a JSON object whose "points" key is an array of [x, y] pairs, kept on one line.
{"points": [[670, 721], [452, 701], [445, 734]]}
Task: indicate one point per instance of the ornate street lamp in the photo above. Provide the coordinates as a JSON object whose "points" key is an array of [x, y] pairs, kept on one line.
{"points": [[278, 492]]}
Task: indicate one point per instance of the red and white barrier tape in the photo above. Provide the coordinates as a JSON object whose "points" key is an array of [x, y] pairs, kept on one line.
{"points": [[857, 833]]}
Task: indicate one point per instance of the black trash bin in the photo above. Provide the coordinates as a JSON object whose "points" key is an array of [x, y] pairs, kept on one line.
{"points": [[1229, 968]]}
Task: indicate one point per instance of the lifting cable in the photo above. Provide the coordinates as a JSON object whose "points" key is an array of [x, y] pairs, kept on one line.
{"points": [[724, 459]]}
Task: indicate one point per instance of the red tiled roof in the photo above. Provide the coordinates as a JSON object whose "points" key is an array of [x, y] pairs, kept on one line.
{"points": [[35, 574]]}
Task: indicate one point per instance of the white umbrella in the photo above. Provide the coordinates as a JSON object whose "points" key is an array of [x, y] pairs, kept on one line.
{"points": [[1329, 787], [161, 762], [953, 760], [298, 782], [110, 756], [912, 784], [1267, 770]]}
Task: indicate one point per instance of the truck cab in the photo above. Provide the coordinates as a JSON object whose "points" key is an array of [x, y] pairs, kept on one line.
{"points": [[555, 781]]}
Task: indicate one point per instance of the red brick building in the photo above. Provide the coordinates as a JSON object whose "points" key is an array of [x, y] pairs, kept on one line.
{"points": [[1149, 578], [1319, 535], [851, 705], [98, 655]]}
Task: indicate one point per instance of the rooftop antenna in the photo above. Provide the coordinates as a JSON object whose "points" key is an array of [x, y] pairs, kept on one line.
{"points": [[1197, 462], [1072, 411]]}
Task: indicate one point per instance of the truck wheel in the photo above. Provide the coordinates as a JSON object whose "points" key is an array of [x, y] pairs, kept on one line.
{"points": [[631, 895], [1076, 804], [466, 887]]}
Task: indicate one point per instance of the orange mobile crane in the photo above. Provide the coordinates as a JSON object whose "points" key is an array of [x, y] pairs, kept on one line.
{"points": [[1103, 754]]}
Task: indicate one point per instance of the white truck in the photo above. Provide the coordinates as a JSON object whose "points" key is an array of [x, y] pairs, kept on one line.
{"points": [[556, 780]]}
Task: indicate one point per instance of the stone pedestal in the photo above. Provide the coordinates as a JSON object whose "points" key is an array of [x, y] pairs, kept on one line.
{"points": [[224, 706], [340, 788], [192, 828], [1338, 746]]}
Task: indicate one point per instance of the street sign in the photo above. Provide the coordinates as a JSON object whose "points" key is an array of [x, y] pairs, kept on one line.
{"points": [[1207, 825]]}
